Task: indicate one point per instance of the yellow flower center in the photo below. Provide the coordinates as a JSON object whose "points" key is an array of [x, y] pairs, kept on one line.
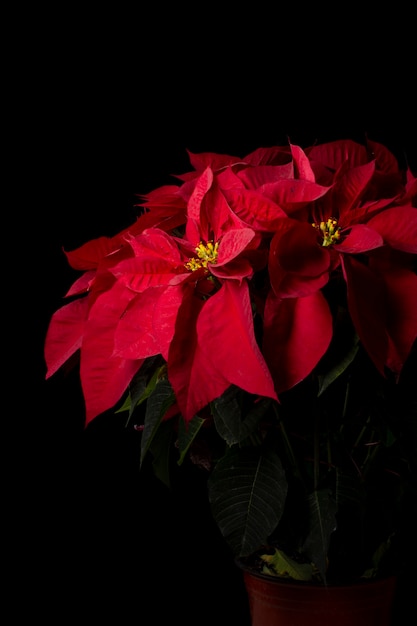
{"points": [[205, 254], [329, 230]]}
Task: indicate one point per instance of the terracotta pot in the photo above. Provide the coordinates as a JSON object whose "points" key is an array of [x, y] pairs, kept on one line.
{"points": [[277, 602]]}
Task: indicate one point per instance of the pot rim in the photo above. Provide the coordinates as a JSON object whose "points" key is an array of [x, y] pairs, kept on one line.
{"points": [[290, 582]]}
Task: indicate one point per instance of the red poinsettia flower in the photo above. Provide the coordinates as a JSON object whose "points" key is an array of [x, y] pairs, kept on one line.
{"points": [[201, 311], [186, 299], [347, 233]]}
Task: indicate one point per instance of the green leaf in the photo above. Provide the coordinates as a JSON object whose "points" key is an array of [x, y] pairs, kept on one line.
{"points": [[232, 423], [247, 492], [157, 405], [377, 558], [325, 380], [322, 513], [161, 450], [350, 490], [140, 389], [187, 434], [281, 565]]}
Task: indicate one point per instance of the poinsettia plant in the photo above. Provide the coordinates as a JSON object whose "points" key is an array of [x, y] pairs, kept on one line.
{"points": [[259, 320]]}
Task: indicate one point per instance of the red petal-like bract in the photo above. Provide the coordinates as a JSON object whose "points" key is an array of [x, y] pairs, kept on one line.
{"points": [[334, 154], [350, 188], [202, 186], [401, 288], [134, 336], [292, 195], [385, 160], [225, 327], [233, 243], [398, 227], [195, 381], [383, 307], [360, 238], [157, 260], [298, 266], [302, 164], [254, 209], [368, 310], [297, 333], [104, 376], [215, 346], [82, 284], [88, 256], [255, 177], [64, 335]]}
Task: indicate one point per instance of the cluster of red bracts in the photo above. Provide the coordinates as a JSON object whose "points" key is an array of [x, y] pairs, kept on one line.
{"points": [[266, 235]]}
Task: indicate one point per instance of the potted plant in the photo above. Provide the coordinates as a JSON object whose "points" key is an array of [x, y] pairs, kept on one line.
{"points": [[259, 320]]}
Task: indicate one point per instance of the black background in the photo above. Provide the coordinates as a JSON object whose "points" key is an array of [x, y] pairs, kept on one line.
{"points": [[107, 110]]}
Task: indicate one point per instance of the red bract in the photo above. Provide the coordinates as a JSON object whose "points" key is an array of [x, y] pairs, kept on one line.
{"points": [[104, 375], [382, 302], [66, 329], [297, 333], [200, 366], [65, 333]]}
